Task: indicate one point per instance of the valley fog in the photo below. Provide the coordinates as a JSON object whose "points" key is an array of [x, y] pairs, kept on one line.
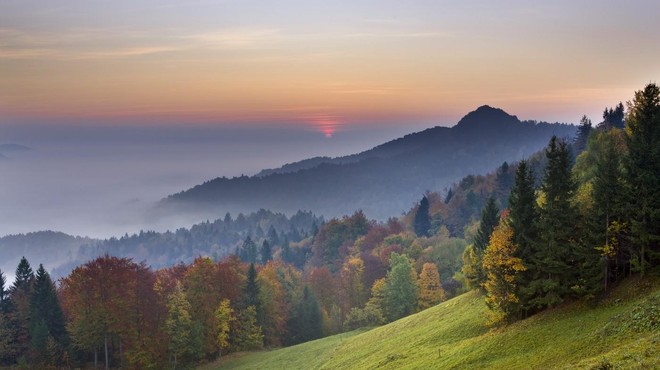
{"points": [[101, 181]]}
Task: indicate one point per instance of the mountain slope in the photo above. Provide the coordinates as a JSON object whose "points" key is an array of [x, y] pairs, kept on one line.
{"points": [[622, 331], [382, 181]]}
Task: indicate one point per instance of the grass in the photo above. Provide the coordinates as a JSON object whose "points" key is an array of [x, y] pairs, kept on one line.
{"points": [[622, 331]]}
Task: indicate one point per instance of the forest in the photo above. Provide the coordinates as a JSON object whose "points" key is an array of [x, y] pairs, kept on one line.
{"points": [[564, 224]]}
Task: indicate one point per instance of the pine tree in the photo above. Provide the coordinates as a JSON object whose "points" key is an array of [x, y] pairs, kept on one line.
{"points": [[248, 251], [523, 211], [555, 262], [490, 217], [422, 222], [20, 306], [46, 316], [642, 166], [251, 290], [266, 253], [4, 294], [584, 129]]}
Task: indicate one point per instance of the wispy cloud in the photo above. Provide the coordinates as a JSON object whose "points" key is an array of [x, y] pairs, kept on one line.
{"points": [[234, 37]]}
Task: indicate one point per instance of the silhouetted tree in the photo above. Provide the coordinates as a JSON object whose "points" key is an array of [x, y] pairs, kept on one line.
{"points": [[422, 222]]}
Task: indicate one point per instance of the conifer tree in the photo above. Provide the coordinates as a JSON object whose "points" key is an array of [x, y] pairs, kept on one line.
{"points": [[46, 316], [490, 217], [642, 166], [249, 335], [584, 129], [20, 305], [251, 290], [422, 222], [555, 259], [266, 253]]}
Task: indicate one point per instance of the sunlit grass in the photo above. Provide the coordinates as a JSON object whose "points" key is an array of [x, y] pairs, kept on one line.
{"points": [[620, 332]]}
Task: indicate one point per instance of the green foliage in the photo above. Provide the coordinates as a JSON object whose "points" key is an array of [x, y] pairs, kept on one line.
{"points": [[552, 262], [368, 316], [183, 337], [453, 335], [249, 335], [642, 165], [266, 252], [490, 218], [401, 291], [46, 319], [336, 234]]}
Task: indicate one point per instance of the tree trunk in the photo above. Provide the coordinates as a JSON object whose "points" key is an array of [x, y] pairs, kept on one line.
{"points": [[105, 344], [96, 358]]}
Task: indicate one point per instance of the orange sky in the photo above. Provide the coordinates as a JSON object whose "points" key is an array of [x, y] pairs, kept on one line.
{"points": [[324, 64]]}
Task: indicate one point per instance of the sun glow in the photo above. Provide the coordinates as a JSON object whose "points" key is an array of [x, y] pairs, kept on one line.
{"points": [[327, 126]]}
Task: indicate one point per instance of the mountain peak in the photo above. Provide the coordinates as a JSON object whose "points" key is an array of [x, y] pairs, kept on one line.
{"points": [[486, 116]]}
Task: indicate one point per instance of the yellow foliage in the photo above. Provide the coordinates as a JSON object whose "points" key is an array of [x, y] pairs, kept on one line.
{"points": [[501, 268], [430, 289]]}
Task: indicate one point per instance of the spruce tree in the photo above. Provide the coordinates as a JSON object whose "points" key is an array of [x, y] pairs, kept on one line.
{"points": [[422, 222], [523, 218], [555, 257], [251, 290], [490, 218], [46, 316], [266, 253], [584, 129], [642, 166]]}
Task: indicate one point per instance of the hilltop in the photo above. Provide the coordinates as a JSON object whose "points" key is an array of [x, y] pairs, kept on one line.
{"points": [[619, 332], [383, 181]]}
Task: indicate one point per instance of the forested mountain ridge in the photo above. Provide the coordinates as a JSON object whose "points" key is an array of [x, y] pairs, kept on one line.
{"points": [[397, 171]]}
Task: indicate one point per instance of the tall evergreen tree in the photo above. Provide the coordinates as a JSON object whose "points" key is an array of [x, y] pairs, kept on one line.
{"points": [[251, 290], [554, 262], [490, 218], [4, 294], [642, 166], [266, 253], [248, 251], [523, 211], [20, 306], [584, 129], [46, 316], [422, 222]]}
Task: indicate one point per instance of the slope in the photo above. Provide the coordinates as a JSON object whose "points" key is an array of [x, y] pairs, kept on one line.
{"points": [[621, 331], [382, 181]]}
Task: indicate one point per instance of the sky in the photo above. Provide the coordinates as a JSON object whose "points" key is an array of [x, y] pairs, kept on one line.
{"points": [[324, 64], [127, 101]]}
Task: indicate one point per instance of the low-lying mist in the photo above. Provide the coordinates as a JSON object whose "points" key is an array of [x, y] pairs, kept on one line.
{"points": [[101, 181]]}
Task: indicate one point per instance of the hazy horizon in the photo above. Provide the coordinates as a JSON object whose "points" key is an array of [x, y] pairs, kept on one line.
{"points": [[100, 181]]}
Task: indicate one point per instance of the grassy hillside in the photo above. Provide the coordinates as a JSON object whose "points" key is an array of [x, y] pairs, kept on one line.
{"points": [[623, 331]]}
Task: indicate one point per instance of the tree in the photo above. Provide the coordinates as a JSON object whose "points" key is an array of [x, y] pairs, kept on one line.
{"points": [[251, 290], [352, 289], [555, 262], [46, 317], [266, 253], [203, 292], [430, 289], [490, 217], [249, 336], [502, 268], [642, 165], [224, 315], [584, 129], [401, 291], [179, 326], [306, 319], [19, 316], [614, 117], [422, 222], [248, 251]]}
